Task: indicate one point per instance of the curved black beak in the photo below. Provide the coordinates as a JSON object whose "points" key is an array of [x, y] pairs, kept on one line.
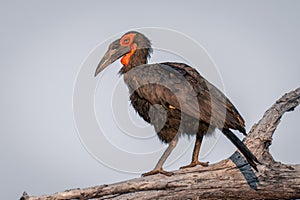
{"points": [[114, 52]]}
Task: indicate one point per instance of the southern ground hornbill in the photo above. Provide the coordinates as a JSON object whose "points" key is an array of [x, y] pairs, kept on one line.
{"points": [[174, 98]]}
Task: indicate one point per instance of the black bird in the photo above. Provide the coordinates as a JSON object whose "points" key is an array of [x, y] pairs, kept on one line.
{"points": [[174, 98]]}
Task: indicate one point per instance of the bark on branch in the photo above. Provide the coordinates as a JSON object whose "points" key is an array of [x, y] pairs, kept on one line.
{"points": [[231, 178]]}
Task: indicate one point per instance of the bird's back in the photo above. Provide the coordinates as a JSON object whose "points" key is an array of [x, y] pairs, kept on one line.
{"points": [[181, 91], [220, 107]]}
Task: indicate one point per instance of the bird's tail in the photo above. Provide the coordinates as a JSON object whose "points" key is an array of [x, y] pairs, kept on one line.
{"points": [[252, 160]]}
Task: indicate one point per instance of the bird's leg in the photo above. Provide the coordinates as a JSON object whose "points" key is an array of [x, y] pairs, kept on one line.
{"points": [[195, 160], [158, 168]]}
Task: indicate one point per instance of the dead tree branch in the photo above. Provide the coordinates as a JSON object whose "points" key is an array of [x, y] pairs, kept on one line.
{"points": [[231, 178]]}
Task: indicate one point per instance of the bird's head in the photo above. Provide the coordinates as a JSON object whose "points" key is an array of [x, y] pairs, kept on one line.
{"points": [[133, 47]]}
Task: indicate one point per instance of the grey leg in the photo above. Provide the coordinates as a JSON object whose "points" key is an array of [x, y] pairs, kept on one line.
{"points": [[158, 168], [196, 151]]}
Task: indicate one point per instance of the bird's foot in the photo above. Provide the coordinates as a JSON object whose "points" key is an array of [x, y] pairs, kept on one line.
{"points": [[195, 163], [158, 171]]}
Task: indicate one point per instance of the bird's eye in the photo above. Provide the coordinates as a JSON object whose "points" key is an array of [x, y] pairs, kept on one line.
{"points": [[126, 40]]}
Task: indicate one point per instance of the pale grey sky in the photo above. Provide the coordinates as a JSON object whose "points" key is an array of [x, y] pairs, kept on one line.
{"points": [[254, 44]]}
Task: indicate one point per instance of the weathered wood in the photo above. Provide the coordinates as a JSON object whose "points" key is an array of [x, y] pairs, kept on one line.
{"points": [[231, 178]]}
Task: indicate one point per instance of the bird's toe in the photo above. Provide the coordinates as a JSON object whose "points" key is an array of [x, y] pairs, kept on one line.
{"points": [[158, 171], [195, 163]]}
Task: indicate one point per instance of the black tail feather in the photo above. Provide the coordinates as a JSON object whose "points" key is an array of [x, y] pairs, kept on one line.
{"points": [[242, 147]]}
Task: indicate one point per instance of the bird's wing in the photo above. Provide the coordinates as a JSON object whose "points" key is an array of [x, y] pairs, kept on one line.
{"points": [[220, 104], [179, 86]]}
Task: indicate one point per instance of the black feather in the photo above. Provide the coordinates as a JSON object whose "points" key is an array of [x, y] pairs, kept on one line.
{"points": [[241, 147]]}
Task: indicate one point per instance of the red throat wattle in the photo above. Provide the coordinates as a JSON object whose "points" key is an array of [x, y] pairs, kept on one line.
{"points": [[125, 60]]}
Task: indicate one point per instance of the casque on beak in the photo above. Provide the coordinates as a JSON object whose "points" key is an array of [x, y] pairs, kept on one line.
{"points": [[114, 52]]}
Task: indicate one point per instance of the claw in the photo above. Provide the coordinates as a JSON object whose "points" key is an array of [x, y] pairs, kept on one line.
{"points": [[195, 163], [158, 171]]}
